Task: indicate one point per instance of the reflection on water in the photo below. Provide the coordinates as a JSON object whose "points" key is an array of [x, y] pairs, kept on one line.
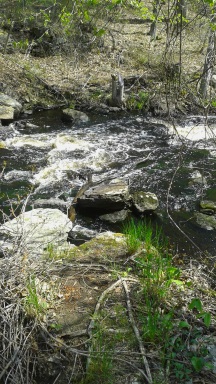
{"points": [[54, 159]]}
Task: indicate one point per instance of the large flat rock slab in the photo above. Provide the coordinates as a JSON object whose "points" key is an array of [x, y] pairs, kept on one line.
{"points": [[107, 197], [32, 232]]}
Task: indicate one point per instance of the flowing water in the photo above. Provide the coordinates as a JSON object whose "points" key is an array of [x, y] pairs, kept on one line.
{"points": [[52, 161]]}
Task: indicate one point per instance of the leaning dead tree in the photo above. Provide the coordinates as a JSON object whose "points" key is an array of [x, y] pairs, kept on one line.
{"points": [[117, 90]]}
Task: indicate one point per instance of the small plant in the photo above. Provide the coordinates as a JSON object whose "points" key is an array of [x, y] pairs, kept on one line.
{"points": [[100, 366], [197, 305], [138, 101], [157, 326], [188, 346], [134, 235], [141, 233], [213, 103], [33, 303]]}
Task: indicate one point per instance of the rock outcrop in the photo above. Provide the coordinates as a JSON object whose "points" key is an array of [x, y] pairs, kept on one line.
{"points": [[105, 198], [114, 199], [9, 107], [32, 232], [206, 221], [206, 218]]}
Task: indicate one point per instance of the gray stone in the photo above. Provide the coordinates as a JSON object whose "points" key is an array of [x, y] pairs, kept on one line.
{"points": [[115, 217], [73, 115], [8, 101], [6, 113], [80, 234], [107, 197], [51, 203], [197, 178], [206, 221], [144, 201], [32, 232]]}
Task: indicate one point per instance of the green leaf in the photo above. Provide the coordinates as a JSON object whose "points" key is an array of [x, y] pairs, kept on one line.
{"points": [[195, 303], [184, 324], [86, 16], [197, 363], [207, 319], [100, 32], [210, 2]]}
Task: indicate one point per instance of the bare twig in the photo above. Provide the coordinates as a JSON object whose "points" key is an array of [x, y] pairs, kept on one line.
{"points": [[97, 308], [137, 334]]}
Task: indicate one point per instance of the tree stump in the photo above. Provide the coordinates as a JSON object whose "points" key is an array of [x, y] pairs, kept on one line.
{"points": [[117, 90]]}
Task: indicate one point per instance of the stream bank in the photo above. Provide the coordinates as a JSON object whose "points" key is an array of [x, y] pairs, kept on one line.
{"points": [[51, 159]]}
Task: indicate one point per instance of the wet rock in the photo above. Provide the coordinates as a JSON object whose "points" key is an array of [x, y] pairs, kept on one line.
{"points": [[197, 178], [104, 109], [115, 217], [106, 198], [206, 221], [72, 115], [208, 205], [22, 124], [32, 232], [10, 108], [79, 234], [17, 175], [7, 132], [144, 201], [159, 107]]}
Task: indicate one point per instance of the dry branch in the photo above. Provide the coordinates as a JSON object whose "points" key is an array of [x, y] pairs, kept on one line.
{"points": [[137, 334]]}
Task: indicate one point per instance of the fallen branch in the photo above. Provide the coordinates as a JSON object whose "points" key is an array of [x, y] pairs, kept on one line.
{"points": [[92, 322], [137, 334]]}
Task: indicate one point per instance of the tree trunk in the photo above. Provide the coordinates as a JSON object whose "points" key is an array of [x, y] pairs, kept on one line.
{"points": [[208, 66], [155, 11], [182, 8], [117, 90]]}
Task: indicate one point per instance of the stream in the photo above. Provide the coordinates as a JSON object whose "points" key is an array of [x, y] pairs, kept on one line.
{"points": [[53, 160]]}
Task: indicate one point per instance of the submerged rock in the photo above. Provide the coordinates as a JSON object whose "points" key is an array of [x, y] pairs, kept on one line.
{"points": [[73, 115], [197, 178], [206, 221], [32, 232], [106, 198], [115, 217], [17, 175], [145, 201], [207, 205]]}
